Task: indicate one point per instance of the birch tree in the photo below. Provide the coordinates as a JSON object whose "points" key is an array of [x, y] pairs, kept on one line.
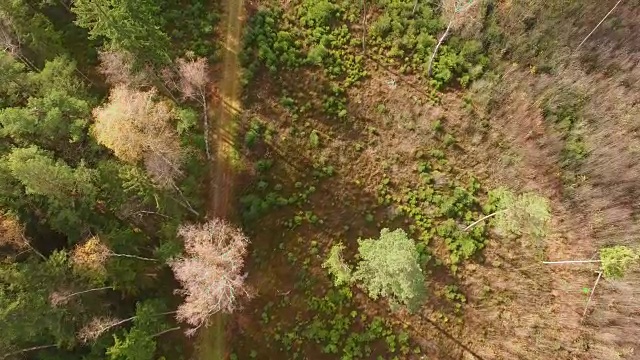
{"points": [[526, 213], [194, 79], [389, 267], [210, 272], [138, 128]]}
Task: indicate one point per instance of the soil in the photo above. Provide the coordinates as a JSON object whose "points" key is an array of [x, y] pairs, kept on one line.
{"points": [[226, 104]]}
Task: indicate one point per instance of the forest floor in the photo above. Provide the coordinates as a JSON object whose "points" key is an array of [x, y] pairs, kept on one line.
{"points": [[211, 343]]}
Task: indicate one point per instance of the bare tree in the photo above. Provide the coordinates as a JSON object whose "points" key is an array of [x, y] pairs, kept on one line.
{"points": [[62, 297], [191, 79], [210, 272], [98, 326], [460, 13], [12, 235], [93, 255], [117, 67], [138, 128]]}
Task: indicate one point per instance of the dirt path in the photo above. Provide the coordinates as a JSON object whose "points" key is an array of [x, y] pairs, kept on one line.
{"points": [[211, 341]]}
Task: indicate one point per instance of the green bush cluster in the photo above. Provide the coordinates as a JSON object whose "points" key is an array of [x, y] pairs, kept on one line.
{"points": [[268, 43], [191, 26], [439, 208], [328, 41], [406, 38], [262, 197], [563, 109], [338, 329]]}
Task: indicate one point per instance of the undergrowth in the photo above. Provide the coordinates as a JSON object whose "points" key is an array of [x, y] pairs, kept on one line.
{"points": [[563, 109]]}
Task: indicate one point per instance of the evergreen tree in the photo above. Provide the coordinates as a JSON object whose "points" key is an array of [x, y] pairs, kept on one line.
{"points": [[138, 343], [70, 193], [59, 74], [27, 26], [56, 114], [133, 26], [26, 315], [13, 81]]}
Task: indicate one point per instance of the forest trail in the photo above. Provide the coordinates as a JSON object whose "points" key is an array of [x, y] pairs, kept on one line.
{"points": [[211, 341]]}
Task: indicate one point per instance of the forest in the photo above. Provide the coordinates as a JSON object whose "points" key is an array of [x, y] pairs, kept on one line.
{"points": [[319, 179]]}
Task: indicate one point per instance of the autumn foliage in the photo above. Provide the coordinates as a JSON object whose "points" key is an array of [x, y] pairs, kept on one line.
{"points": [[138, 128], [11, 232], [211, 271]]}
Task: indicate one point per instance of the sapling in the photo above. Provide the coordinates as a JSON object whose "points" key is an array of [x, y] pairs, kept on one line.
{"points": [[337, 267], [526, 213], [615, 262]]}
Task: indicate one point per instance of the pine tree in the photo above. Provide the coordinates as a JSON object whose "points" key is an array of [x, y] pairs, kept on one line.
{"points": [[56, 114], [14, 85], [28, 27], [27, 317], [69, 193], [133, 26], [138, 342]]}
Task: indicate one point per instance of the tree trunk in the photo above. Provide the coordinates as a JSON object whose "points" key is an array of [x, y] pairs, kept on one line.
{"points": [[102, 331], [87, 291], [483, 219], [597, 26], [186, 203], [586, 307], [28, 243], [435, 51], [133, 257], [205, 110], [165, 331], [364, 27], [27, 350], [572, 262]]}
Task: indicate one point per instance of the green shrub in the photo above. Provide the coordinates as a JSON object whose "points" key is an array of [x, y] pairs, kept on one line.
{"points": [[267, 44], [617, 260], [336, 266], [526, 213], [314, 139], [408, 35]]}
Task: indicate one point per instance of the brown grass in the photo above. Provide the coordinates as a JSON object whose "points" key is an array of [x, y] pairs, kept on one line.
{"points": [[517, 308]]}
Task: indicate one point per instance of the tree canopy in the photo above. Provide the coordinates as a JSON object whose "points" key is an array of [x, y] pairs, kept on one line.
{"points": [[389, 267]]}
